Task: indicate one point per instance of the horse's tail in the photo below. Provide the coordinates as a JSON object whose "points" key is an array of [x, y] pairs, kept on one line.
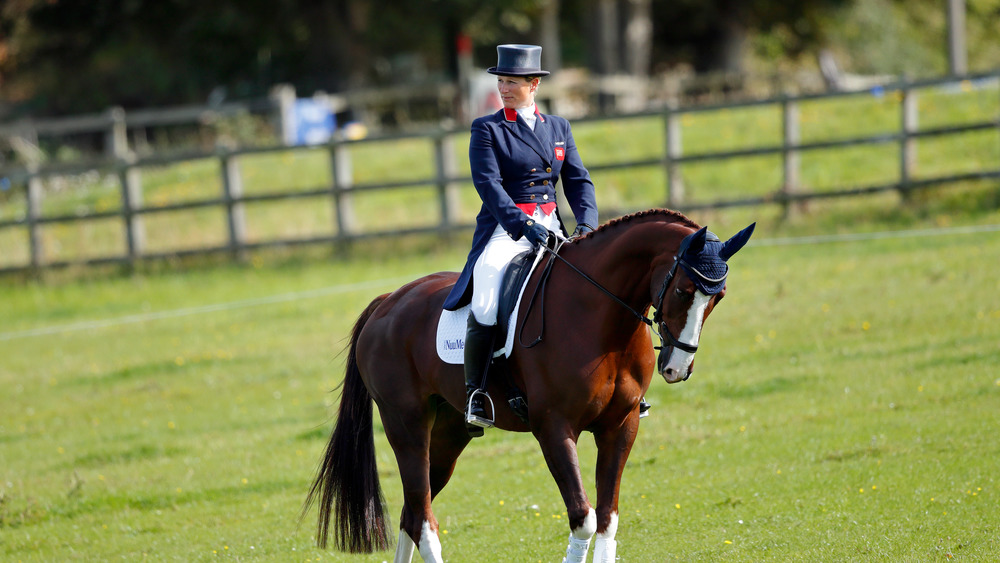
{"points": [[347, 483]]}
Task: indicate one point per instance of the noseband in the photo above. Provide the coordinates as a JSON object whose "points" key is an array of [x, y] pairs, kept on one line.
{"points": [[661, 328]]}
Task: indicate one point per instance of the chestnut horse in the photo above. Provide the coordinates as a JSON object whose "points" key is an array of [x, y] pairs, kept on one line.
{"points": [[589, 372]]}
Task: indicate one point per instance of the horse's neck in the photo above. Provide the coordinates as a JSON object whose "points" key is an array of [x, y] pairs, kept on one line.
{"points": [[628, 257]]}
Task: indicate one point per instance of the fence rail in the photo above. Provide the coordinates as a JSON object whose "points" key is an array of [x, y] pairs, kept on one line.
{"points": [[446, 179]]}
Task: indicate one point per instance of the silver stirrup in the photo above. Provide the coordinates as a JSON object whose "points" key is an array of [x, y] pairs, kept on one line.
{"points": [[478, 420]]}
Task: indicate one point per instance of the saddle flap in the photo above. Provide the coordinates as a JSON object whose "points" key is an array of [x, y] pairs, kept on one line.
{"points": [[451, 324], [510, 288]]}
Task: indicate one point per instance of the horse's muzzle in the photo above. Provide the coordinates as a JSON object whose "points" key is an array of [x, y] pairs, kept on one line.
{"points": [[674, 365]]}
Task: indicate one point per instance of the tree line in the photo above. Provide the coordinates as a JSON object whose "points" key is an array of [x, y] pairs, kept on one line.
{"points": [[68, 56]]}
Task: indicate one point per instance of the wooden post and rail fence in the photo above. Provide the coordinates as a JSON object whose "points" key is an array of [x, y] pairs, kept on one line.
{"points": [[447, 179]]}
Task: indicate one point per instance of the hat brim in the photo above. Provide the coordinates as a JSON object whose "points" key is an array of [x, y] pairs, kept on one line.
{"points": [[516, 72]]}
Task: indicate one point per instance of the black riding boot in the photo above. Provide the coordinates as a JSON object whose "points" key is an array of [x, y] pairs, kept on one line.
{"points": [[478, 353]]}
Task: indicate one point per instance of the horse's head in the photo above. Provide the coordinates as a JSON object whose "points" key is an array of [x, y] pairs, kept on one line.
{"points": [[688, 295]]}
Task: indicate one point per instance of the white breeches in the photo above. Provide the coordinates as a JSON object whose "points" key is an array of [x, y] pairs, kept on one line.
{"points": [[488, 272]]}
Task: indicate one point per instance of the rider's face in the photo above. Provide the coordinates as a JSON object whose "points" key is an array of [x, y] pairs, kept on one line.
{"points": [[517, 91]]}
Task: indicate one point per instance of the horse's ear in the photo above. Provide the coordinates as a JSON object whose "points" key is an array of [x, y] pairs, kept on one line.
{"points": [[697, 241], [734, 244]]}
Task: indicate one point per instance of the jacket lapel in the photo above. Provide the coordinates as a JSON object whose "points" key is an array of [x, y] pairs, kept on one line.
{"points": [[520, 130], [543, 130]]}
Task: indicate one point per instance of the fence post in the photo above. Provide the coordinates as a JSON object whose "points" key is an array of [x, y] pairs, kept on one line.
{"points": [[283, 103], [232, 193], [131, 186], [447, 168], [675, 184], [33, 213], [907, 142], [116, 137], [343, 179], [791, 157]]}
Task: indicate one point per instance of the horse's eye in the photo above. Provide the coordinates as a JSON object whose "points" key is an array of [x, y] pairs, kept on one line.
{"points": [[681, 293]]}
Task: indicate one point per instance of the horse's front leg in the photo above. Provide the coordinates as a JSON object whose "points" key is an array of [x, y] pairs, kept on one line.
{"points": [[613, 446], [558, 443]]}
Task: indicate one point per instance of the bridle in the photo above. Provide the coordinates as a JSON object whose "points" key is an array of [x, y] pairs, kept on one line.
{"points": [[658, 314], [656, 323]]}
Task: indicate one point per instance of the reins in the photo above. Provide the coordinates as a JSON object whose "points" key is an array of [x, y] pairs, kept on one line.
{"points": [[654, 323], [541, 288]]}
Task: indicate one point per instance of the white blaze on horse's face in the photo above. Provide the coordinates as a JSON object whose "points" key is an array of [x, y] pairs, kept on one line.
{"points": [[678, 366]]}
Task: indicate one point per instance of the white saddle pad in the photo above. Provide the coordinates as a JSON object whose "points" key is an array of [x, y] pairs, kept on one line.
{"points": [[452, 326]]}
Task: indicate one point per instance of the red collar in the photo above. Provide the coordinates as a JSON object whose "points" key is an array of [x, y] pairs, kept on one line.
{"points": [[511, 114]]}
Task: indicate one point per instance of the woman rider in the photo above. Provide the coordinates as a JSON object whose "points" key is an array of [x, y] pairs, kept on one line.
{"points": [[517, 157]]}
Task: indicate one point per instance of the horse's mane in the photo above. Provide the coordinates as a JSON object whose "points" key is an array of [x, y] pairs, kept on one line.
{"points": [[665, 215]]}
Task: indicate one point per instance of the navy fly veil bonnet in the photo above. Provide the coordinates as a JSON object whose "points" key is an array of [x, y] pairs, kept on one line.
{"points": [[703, 257]]}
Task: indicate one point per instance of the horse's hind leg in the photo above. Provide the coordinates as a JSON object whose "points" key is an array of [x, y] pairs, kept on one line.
{"points": [[404, 548], [409, 434], [448, 439]]}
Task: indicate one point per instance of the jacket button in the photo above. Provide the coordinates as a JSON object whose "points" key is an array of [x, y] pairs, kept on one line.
{"points": [[532, 195], [545, 182], [547, 170], [546, 196], [531, 184], [533, 170]]}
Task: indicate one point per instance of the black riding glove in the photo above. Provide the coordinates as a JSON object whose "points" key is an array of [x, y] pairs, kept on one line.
{"points": [[581, 230], [535, 233]]}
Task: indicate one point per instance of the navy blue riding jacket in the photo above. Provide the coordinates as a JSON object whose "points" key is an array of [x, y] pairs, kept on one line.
{"points": [[511, 164]]}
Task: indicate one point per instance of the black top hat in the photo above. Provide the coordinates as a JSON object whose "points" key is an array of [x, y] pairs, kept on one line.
{"points": [[518, 60]]}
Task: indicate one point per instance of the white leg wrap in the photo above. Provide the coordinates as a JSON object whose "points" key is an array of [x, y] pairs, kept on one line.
{"points": [[604, 550], [404, 548], [579, 539], [605, 545], [430, 545], [576, 552]]}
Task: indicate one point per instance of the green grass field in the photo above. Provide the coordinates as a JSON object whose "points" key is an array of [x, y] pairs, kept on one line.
{"points": [[844, 407]]}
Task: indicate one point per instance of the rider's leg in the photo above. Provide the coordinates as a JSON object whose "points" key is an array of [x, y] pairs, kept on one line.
{"points": [[479, 336], [487, 275], [478, 353]]}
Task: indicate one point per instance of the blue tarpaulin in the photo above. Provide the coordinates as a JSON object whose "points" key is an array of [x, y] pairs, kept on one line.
{"points": [[314, 122]]}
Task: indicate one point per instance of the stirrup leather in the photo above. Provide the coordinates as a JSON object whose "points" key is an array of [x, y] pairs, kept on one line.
{"points": [[475, 420]]}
